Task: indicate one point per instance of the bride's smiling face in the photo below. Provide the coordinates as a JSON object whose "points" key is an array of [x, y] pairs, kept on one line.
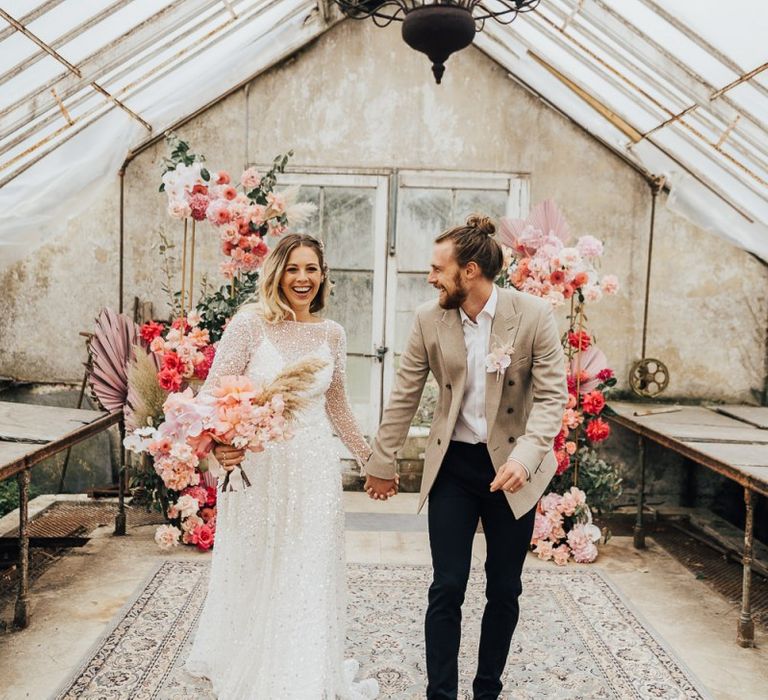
{"points": [[301, 278]]}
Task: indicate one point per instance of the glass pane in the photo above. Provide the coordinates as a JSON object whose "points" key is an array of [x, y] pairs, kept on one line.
{"points": [[351, 304], [468, 202], [359, 389], [347, 227], [412, 290], [422, 215], [312, 225]]}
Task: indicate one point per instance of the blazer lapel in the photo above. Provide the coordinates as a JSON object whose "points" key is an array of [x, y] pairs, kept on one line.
{"points": [[504, 328], [451, 338]]}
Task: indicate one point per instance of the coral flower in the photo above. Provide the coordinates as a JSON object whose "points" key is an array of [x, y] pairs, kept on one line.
{"points": [[228, 192], [169, 379], [580, 279], [151, 330], [557, 277], [597, 430], [593, 402], [579, 340]]}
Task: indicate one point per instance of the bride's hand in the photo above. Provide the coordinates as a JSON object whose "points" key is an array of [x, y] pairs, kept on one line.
{"points": [[227, 456]]}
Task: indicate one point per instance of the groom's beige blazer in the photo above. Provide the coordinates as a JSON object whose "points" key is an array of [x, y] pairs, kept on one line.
{"points": [[523, 407]]}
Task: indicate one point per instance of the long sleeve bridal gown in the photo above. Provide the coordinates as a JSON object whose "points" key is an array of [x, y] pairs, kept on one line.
{"points": [[272, 627]]}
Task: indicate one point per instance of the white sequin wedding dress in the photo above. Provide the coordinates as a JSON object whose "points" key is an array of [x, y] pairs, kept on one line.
{"points": [[273, 624]]}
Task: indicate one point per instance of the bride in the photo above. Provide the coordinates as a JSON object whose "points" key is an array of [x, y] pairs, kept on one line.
{"points": [[272, 627]]}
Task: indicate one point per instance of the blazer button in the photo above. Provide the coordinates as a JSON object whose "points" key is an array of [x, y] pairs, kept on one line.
{"points": [[511, 382], [511, 439], [447, 386], [438, 441], [510, 410]]}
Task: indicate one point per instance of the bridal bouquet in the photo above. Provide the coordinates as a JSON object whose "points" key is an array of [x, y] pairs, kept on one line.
{"points": [[235, 412]]}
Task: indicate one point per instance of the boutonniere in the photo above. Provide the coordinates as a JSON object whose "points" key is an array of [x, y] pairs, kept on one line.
{"points": [[499, 358]]}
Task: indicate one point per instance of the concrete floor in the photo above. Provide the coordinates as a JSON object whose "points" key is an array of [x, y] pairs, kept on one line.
{"points": [[76, 598]]}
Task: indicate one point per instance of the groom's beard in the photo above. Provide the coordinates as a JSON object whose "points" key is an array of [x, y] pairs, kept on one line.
{"points": [[455, 298]]}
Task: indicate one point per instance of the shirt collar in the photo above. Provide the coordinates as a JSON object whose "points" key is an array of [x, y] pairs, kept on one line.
{"points": [[489, 309]]}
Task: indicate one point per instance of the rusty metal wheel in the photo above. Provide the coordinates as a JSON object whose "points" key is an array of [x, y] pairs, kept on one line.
{"points": [[649, 377]]}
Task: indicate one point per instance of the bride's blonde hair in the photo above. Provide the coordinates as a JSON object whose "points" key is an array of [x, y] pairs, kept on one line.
{"points": [[272, 303]]}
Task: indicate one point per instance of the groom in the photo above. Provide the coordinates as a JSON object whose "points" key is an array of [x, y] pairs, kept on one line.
{"points": [[496, 356]]}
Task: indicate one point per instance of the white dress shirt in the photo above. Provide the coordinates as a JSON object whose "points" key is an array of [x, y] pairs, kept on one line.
{"points": [[471, 425]]}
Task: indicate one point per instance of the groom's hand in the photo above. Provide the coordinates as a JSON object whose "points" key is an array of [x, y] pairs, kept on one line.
{"points": [[511, 477], [381, 489]]}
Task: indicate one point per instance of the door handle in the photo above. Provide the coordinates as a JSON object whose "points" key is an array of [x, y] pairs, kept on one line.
{"points": [[381, 351]]}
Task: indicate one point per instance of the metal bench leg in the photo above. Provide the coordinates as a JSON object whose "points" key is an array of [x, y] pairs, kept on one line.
{"points": [[746, 630], [639, 530], [21, 616], [120, 521]]}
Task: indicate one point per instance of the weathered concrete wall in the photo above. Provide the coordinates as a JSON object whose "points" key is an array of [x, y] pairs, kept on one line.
{"points": [[359, 98]]}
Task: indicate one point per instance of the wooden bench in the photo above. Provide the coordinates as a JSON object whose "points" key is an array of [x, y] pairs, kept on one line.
{"points": [[29, 434], [730, 440]]}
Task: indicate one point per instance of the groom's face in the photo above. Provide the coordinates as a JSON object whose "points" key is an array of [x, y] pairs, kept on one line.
{"points": [[445, 276]]}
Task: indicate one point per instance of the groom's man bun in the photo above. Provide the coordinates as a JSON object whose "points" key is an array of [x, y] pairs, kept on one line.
{"points": [[474, 242], [482, 224]]}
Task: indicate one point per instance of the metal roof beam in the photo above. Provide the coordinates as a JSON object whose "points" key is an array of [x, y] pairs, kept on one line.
{"points": [[309, 31], [30, 17], [72, 68], [748, 146], [702, 43], [677, 73], [14, 136], [699, 143], [106, 59], [64, 39]]}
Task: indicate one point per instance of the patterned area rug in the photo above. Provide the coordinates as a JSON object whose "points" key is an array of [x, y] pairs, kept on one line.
{"points": [[576, 639]]}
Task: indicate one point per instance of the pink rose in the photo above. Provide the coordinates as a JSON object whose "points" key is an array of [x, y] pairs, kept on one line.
{"points": [[543, 550], [202, 536], [218, 213], [167, 536], [198, 204], [542, 527], [179, 209], [610, 284], [561, 554], [223, 178], [589, 247], [551, 502], [228, 192], [250, 179], [169, 379]]}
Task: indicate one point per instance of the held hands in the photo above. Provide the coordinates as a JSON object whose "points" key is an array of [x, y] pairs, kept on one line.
{"points": [[381, 489], [511, 477], [227, 456]]}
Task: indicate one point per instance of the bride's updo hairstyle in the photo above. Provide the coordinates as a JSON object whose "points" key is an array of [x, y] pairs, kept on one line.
{"points": [[474, 242], [273, 305]]}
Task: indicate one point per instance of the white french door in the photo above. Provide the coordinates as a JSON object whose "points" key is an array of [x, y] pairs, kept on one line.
{"points": [[428, 202], [378, 230], [351, 220]]}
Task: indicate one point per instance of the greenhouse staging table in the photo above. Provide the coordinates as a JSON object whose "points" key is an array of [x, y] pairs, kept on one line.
{"points": [[29, 434], [730, 440]]}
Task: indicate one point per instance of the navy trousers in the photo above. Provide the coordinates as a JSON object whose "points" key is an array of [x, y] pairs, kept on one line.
{"points": [[459, 498]]}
